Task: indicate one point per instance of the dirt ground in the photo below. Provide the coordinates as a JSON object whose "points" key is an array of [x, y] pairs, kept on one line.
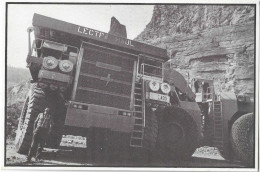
{"points": [[203, 157]]}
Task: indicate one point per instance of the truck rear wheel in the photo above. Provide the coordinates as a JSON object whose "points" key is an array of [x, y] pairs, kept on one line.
{"points": [[242, 138], [34, 104], [178, 134]]}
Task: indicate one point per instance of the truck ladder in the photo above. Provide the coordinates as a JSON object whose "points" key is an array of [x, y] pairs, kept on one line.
{"points": [[218, 125], [138, 131]]}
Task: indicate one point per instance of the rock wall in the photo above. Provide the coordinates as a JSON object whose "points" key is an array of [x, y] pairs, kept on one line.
{"points": [[16, 96], [207, 41], [18, 86]]}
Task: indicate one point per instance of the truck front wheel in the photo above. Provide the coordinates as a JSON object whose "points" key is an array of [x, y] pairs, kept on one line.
{"points": [[178, 135], [34, 104], [242, 138]]}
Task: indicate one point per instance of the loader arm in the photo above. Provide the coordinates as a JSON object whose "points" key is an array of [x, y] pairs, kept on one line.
{"points": [[175, 78]]}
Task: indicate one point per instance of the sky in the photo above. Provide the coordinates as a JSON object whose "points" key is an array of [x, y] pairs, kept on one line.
{"points": [[134, 17]]}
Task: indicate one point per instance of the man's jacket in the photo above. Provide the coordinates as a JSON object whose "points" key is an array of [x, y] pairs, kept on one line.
{"points": [[43, 121]]}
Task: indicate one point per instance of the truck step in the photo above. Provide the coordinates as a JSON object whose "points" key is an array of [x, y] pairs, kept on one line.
{"points": [[137, 117], [137, 138], [136, 146], [138, 84], [138, 100], [137, 135], [136, 142], [138, 105]]}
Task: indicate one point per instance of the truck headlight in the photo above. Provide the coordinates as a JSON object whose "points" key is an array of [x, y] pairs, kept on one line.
{"points": [[50, 63], [154, 85], [66, 66], [166, 88]]}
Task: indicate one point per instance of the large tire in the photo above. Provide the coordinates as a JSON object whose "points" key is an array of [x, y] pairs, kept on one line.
{"points": [[34, 104], [242, 138], [178, 135]]}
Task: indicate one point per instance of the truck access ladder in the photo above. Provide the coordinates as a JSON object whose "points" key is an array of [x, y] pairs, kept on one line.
{"points": [[218, 125], [138, 131]]}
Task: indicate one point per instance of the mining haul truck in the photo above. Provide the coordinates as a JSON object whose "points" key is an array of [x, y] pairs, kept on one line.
{"points": [[227, 121], [114, 91]]}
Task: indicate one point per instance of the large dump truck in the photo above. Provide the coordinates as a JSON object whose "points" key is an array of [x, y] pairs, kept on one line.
{"points": [[115, 91], [228, 121]]}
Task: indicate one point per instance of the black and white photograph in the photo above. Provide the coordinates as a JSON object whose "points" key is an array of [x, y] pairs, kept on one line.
{"points": [[131, 85]]}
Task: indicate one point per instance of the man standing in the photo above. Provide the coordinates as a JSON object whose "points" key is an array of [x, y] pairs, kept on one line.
{"points": [[41, 129]]}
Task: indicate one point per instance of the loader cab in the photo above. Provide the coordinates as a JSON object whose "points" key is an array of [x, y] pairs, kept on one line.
{"points": [[203, 89]]}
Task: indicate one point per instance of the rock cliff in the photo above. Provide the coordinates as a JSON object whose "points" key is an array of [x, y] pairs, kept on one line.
{"points": [[207, 41], [17, 88]]}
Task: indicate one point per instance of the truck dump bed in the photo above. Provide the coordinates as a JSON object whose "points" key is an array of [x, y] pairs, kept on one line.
{"points": [[73, 34]]}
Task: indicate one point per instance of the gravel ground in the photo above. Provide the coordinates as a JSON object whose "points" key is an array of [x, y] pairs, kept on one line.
{"points": [[203, 157]]}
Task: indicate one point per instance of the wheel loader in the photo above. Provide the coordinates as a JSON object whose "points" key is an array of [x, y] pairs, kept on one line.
{"points": [[228, 121]]}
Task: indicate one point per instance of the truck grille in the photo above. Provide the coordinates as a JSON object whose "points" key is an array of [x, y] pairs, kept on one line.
{"points": [[105, 77]]}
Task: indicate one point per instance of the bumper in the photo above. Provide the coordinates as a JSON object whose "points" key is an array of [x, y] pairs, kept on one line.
{"points": [[98, 116], [45, 75]]}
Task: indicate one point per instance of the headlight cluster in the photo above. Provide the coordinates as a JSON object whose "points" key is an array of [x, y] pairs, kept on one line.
{"points": [[51, 63], [66, 66], [155, 86]]}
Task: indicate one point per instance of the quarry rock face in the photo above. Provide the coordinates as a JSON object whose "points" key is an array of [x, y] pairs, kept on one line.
{"points": [[17, 94], [207, 41]]}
